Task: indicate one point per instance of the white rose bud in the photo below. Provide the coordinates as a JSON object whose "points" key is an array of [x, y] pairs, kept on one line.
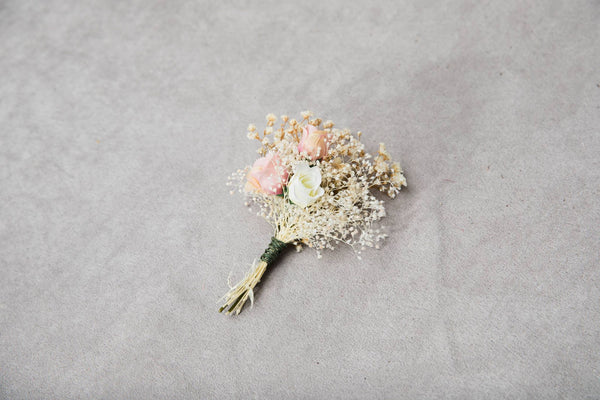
{"points": [[304, 187]]}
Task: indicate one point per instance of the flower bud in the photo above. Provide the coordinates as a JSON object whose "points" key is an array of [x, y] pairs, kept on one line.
{"points": [[313, 142], [268, 175], [305, 185]]}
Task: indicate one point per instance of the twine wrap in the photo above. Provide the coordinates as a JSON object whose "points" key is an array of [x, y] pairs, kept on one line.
{"points": [[273, 251]]}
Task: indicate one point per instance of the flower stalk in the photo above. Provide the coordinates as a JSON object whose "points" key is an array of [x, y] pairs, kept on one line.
{"points": [[244, 290]]}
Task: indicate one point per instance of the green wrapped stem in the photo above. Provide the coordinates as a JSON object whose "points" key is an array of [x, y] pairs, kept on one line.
{"points": [[237, 296], [273, 251]]}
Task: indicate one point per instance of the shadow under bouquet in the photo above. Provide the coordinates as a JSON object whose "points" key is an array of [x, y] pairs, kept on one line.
{"points": [[313, 184]]}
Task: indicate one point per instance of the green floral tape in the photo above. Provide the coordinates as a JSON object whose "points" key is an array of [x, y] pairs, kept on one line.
{"points": [[273, 251]]}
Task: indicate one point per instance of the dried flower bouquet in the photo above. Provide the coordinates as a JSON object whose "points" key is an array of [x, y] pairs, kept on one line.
{"points": [[313, 185]]}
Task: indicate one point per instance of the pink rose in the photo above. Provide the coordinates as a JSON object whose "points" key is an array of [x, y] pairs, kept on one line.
{"points": [[313, 142], [268, 175]]}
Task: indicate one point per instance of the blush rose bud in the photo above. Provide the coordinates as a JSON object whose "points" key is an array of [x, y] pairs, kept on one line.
{"points": [[313, 142], [268, 175]]}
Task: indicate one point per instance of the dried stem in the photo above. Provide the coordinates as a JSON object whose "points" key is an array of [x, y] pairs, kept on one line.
{"points": [[237, 295], [244, 290]]}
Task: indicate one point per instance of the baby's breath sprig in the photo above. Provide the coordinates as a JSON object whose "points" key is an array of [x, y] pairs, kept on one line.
{"points": [[340, 208]]}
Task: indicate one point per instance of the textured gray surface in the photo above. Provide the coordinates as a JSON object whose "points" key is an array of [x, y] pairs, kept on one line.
{"points": [[120, 122]]}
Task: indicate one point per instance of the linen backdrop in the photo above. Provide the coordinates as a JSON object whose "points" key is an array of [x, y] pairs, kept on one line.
{"points": [[120, 122]]}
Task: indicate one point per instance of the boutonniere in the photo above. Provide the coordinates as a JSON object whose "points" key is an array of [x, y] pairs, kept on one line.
{"points": [[313, 183]]}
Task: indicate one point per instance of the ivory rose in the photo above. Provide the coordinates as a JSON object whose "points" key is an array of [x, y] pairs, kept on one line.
{"points": [[304, 187], [268, 175], [313, 142]]}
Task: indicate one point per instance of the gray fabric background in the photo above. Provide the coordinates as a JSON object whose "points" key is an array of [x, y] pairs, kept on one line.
{"points": [[120, 122]]}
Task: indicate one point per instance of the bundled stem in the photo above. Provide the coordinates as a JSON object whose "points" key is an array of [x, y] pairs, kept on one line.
{"points": [[244, 290]]}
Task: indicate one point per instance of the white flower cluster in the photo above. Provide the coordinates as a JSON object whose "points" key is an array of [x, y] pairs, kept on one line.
{"points": [[338, 206]]}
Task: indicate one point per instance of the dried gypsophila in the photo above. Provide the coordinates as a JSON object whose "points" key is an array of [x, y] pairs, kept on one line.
{"points": [[313, 185]]}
